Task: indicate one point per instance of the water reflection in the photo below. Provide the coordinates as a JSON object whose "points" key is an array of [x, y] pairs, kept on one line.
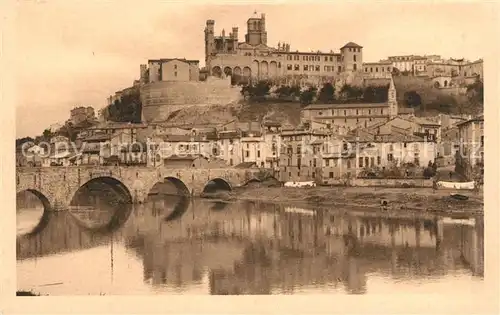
{"points": [[30, 213], [176, 245]]}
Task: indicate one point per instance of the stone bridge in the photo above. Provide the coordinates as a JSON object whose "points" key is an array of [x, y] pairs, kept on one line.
{"points": [[56, 186]]}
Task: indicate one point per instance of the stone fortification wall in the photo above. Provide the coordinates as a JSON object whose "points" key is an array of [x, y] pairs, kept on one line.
{"points": [[160, 99]]}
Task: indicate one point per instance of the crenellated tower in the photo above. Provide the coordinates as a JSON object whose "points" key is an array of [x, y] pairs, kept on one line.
{"points": [[209, 39]]}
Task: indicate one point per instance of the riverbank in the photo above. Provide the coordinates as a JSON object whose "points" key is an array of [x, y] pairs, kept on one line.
{"points": [[398, 199]]}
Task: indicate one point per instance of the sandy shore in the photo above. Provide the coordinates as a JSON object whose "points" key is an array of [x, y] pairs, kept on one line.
{"points": [[398, 199]]}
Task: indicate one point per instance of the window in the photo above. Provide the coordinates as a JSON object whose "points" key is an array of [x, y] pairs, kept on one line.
{"points": [[379, 160], [382, 69], [367, 161], [404, 144], [389, 157], [175, 67], [371, 69], [331, 58], [360, 162], [279, 65], [331, 174], [289, 174], [305, 67], [304, 58], [317, 68], [345, 112], [372, 161], [355, 67], [348, 163], [313, 174], [327, 162], [175, 73], [247, 153], [314, 163], [231, 162], [388, 69], [247, 146], [299, 149], [339, 69], [376, 69], [258, 154], [289, 67], [350, 49], [354, 58], [357, 112], [296, 68]]}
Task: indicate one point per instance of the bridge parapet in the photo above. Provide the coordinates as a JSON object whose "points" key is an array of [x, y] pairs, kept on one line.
{"points": [[56, 186]]}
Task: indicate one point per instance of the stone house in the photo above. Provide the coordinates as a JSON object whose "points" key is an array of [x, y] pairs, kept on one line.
{"points": [[471, 153]]}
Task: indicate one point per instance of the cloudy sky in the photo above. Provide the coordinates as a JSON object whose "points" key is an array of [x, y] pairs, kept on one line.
{"points": [[72, 53]]}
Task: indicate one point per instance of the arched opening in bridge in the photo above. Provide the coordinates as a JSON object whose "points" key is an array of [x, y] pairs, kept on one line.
{"points": [[32, 211], [102, 204], [215, 185], [168, 200]]}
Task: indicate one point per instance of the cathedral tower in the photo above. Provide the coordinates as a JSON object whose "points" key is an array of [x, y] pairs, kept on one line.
{"points": [[392, 100]]}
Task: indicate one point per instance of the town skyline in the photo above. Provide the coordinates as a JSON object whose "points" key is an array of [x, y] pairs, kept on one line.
{"points": [[101, 65]]}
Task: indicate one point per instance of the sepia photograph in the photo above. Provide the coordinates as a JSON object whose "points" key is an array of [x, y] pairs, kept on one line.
{"points": [[170, 148]]}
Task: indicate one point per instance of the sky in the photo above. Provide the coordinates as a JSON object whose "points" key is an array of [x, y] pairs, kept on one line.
{"points": [[77, 53]]}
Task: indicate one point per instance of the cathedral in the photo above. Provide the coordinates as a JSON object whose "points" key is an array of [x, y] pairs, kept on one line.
{"points": [[254, 59]]}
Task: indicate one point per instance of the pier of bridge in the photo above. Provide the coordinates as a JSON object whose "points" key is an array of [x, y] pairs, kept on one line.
{"points": [[56, 186]]}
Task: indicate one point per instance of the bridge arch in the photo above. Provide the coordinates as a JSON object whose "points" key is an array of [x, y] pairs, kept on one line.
{"points": [[45, 215], [114, 184], [217, 184], [41, 196], [182, 188]]}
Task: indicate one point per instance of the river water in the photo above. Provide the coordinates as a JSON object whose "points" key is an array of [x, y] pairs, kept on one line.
{"points": [[175, 245]]}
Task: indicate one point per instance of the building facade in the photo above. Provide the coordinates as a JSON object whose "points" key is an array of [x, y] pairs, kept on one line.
{"points": [[376, 70], [471, 153], [343, 118], [81, 114], [255, 59]]}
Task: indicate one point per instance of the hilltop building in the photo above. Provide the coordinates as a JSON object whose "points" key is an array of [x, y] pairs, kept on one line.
{"points": [[255, 59]]}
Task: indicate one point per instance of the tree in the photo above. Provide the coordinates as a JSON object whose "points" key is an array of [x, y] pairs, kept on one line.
{"points": [[47, 134], [308, 95], [257, 92], [412, 99], [127, 109], [475, 92], [22, 141], [395, 71], [351, 93], [327, 93]]}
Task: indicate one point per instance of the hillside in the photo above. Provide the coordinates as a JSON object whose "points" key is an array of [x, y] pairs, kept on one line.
{"points": [[288, 113]]}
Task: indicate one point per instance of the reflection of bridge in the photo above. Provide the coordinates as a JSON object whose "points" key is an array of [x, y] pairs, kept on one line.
{"points": [[269, 247], [56, 186]]}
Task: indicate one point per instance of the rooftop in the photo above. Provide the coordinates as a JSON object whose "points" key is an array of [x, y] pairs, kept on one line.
{"points": [[344, 105], [170, 59], [351, 45]]}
